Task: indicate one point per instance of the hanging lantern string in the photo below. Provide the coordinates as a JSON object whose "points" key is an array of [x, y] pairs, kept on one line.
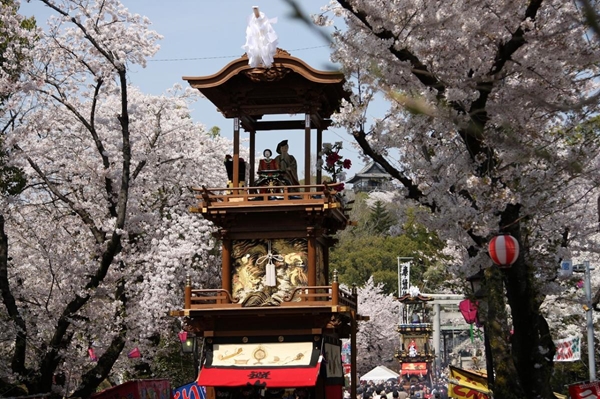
{"points": [[517, 220]]}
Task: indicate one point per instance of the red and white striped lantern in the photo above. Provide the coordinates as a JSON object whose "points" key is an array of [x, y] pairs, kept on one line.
{"points": [[504, 250]]}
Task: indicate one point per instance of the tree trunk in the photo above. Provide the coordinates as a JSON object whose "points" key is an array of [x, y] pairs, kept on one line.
{"points": [[532, 348], [506, 383], [8, 300]]}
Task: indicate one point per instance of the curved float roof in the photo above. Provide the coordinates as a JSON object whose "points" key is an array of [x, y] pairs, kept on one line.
{"points": [[289, 86], [408, 298]]}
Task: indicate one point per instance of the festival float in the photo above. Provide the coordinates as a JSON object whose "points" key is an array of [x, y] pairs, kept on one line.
{"points": [[416, 354], [278, 319]]}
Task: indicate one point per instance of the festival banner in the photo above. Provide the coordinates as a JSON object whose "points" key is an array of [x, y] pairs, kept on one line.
{"points": [[189, 391], [467, 384], [585, 390], [568, 349]]}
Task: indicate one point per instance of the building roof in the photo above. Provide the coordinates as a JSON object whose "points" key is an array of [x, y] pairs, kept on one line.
{"points": [[371, 171]]}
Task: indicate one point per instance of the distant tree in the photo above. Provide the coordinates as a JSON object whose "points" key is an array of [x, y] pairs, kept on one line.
{"points": [[377, 338], [15, 42], [214, 131], [380, 219], [362, 252]]}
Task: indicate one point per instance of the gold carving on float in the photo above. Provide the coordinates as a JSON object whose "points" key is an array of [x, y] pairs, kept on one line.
{"points": [[272, 74], [225, 357], [259, 354], [271, 354]]}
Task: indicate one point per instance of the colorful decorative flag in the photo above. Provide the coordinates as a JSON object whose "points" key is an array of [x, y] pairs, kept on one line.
{"points": [[134, 353], [92, 354], [568, 349], [189, 391], [467, 384]]}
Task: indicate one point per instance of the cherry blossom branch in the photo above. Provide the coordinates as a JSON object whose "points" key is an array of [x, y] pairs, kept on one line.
{"points": [[82, 213], [108, 55]]}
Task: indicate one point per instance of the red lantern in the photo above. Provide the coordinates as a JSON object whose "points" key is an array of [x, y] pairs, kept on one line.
{"points": [[183, 336], [504, 250], [468, 309]]}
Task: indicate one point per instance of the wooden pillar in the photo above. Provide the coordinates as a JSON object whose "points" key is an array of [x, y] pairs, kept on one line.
{"points": [[319, 147], [327, 245], [226, 264], [307, 147], [353, 348], [335, 289], [252, 162], [312, 257], [187, 296], [236, 153]]}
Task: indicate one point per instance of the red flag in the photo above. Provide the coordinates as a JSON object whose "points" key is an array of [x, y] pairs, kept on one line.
{"points": [[93, 357], [134, 353]]}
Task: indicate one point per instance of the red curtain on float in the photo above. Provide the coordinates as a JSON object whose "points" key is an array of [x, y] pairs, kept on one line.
{"points": [[269, 377]]}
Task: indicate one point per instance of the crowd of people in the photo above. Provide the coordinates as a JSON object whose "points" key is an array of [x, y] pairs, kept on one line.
{"points": [[393, 389]]}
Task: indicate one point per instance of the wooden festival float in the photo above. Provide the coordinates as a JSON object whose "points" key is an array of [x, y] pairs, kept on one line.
{"points": [[278, 319], [415, 354]]}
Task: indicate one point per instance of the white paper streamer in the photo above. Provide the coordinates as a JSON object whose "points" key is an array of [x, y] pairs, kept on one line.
{"points": [[261, 41]]}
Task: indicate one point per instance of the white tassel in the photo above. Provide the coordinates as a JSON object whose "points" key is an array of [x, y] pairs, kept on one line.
{"points": [[270, 273], [271, 276]]}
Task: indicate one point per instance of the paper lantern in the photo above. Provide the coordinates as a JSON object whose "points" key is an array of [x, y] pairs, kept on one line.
{"points": [[183, 336], [504, 250], [468, 309]]}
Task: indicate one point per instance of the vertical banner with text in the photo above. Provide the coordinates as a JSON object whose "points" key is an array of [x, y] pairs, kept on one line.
{"points": [[403, 277]]}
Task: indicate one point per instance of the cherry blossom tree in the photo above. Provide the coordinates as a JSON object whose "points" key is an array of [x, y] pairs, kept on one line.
{"points": [[377, 339], [94, 251], [492, 110]]}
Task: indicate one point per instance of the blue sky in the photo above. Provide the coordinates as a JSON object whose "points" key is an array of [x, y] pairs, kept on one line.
{"points": [[201, 37]]}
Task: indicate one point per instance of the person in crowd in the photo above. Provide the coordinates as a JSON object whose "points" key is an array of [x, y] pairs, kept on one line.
{"points": [[401, 393], [301, 393], [247, 392], [289, 394], [274, 393]]}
